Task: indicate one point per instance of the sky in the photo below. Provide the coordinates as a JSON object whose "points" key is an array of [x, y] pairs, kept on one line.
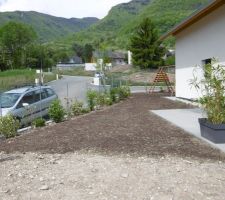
{"points": [[62, 8]]}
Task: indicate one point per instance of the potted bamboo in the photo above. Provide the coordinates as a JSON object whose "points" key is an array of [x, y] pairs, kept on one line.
{"points": [[212, 88]]}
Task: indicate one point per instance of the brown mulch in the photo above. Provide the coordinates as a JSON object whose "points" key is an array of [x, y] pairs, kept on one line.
{"points": [[126, 128]]}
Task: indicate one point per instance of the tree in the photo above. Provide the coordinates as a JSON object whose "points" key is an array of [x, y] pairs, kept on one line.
{"points": [[78, 49], [40, 56], [88, 52], [14, 39], [145, 46]]}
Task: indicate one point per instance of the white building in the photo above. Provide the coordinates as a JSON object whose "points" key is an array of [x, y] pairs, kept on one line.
{"points": [[199, 38]]}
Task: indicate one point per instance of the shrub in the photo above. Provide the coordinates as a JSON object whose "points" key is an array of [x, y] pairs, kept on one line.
{"points": [[91, 98], [39, 122], [85, 110], [100, 100], [56, 111], [77, 108], [124, 92], [113, 94], [104, 99], [9, 126], [212, 87], [108, 100]]}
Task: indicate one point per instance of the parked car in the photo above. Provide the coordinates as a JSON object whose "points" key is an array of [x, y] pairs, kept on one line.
{"points": [[27, 103]]}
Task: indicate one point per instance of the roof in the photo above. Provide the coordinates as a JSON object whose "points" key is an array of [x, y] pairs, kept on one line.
{"points": [[117, 55], [24, 89], [196, 16]]}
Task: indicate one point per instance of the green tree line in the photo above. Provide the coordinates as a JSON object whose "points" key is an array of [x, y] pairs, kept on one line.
{"points": [[19, 48]]}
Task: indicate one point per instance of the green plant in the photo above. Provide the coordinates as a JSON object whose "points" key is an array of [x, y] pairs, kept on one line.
{"points": [[9, 126], [146, 46], [91, 98], [113, 96], [104, 99], [77, 108], [124, 92], [56, 111], [212, 87], [101, 98], [108, 100], [85, 110], [39, 122]]}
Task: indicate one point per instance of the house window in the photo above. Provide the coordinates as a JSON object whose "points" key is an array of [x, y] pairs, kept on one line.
{"points": [[207, 61], [207, 67]]}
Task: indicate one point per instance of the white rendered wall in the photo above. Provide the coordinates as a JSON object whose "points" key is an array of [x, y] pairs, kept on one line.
{"points": [[204, 39], [90, 66]]}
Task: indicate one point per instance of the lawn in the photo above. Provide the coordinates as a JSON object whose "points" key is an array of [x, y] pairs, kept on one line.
{"points": [[78, 71], [20, 77]]}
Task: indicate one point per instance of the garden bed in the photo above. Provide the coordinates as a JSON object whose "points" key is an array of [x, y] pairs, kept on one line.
{"points": [[126, 128], [122, 152]]}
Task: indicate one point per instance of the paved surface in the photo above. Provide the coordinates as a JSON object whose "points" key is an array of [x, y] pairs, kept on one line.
{"points": [[187, 119], [75, 87], [78, 86], [141, 89]]}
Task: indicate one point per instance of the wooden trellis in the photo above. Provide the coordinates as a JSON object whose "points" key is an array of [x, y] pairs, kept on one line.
{"points": [[162, 77]]}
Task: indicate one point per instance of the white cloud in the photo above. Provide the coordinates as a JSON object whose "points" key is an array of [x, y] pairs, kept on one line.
{"points": [[63, 8]]}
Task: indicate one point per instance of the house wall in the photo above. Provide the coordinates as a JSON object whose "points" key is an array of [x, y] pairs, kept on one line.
{"points": [[204, 39]]}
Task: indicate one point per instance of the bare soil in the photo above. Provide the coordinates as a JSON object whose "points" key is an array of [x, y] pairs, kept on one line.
{"points": [[146, 77], [122, 152]]}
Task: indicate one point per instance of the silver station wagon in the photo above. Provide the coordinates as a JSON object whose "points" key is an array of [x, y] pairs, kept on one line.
{"points": [[27, 103]]}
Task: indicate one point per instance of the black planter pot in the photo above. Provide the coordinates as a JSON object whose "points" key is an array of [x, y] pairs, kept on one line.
{"points": [[212, 132]]}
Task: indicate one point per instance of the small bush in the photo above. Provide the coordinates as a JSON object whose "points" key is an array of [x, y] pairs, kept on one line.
{"points": [[56, 111], [108, 100], [92, 99], [77, 108], [113, 94], [124, 92], [39, 122], [104, 99], [9, 126], [85, 110]]}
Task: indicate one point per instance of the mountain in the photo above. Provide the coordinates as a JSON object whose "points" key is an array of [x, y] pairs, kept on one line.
{"points": [[48, 27], [116, 28]]}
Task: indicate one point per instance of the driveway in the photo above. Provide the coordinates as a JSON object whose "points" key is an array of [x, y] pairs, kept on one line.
{"points": [[73, 87]]}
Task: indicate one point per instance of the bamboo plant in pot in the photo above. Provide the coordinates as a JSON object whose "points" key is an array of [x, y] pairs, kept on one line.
{"points": [[212, 89]]}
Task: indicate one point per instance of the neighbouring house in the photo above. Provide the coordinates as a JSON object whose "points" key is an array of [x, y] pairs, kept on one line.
{"points": [[73, 62], [199, 39], [117, 58]]}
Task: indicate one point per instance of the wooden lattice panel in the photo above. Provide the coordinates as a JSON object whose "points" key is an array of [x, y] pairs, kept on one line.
{"points": [[162, 77]]}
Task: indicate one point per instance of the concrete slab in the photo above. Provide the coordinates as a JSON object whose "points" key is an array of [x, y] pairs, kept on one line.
{"points": [[186, 119]]}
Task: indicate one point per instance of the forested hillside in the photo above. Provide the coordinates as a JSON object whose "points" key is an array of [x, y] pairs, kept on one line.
{"points": [[48, 27], [116, 28]]}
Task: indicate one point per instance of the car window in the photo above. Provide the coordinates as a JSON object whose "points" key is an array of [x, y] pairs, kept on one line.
{"points": [[50, 92], [8, 100], [37, 96], [44, 94], [27, 98]]}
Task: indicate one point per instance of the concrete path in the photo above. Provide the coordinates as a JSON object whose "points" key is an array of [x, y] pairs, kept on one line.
{"points": [[187, 119], [75, 87], [142, 89]]}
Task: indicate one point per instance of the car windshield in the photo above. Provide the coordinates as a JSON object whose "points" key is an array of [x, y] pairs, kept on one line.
{"points": [[8, 100]]}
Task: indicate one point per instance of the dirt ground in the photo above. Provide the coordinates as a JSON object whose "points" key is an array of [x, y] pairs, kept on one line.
{"points": [[147, 77], [142, 76], [123, 152]]}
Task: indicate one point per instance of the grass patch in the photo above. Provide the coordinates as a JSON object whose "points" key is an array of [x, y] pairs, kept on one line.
{"points": [[17, 78], [78, 71]]}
